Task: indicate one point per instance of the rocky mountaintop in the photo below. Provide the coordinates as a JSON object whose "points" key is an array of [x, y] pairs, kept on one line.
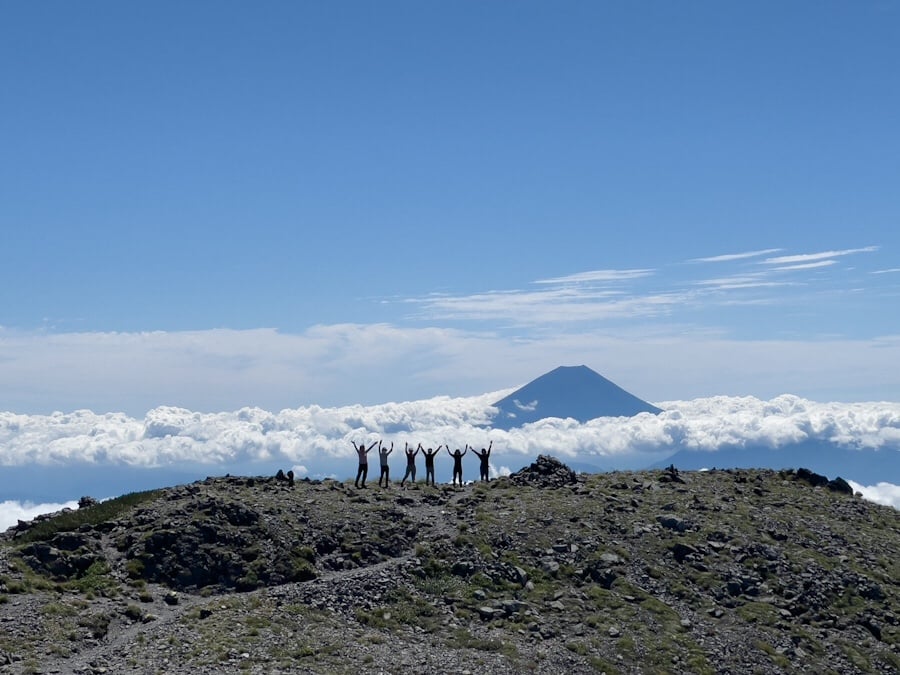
{"points": [[545, 571]]}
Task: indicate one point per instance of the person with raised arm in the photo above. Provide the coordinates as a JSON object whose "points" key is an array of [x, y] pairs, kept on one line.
{"points": [[385, 469], [484, 455], [429, 463], [457, 463], [410, 463], [363, 452]]}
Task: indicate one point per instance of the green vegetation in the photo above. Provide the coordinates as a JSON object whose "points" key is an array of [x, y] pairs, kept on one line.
{"points": [[90, 515]]}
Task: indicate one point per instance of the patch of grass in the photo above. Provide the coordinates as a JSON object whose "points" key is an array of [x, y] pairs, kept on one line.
{"points": [[97, 624], [626, 646], [759, 613], [578, 648], [58, 609], [603, 666], [779, 660], [463, 639], [857, 658], [134, 612], [95, 580], [401, 608], [16, 587]]}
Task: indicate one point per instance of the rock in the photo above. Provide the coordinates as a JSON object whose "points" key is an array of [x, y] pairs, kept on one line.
{"points": [[521, 575], [840, 485], [682, 551], [814, 479], [673, 523], [463, 568], [511, 607], [489, 613], [550, 567]]}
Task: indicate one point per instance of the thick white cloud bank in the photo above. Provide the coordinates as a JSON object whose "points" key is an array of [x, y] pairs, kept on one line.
{"points": [[307, 436], [316, 441]]}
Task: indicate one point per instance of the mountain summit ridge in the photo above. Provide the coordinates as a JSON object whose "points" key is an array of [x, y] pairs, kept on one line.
{"points": [[576, 392], [545, 571]]}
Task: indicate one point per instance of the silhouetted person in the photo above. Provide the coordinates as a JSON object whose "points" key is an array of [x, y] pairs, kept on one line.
{"points": [[429, 463], [484, 455], [363, 452], [385, 469], [457, 463], [410, 462]]}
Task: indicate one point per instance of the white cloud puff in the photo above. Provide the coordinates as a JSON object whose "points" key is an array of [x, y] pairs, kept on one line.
{"points": [[882, 493]]}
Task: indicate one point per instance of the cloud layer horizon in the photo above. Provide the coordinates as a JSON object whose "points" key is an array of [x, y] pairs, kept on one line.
{"points": [[314, 440], [169, 435]]}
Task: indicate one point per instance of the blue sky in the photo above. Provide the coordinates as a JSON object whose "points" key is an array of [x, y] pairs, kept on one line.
{"points": [[214, 205], [341, 203]]}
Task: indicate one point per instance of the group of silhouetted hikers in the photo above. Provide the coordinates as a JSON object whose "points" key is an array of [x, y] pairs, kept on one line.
{"points": [[383, 452]]}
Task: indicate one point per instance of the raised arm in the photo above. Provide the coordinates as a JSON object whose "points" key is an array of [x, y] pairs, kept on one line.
{"points": [[374, 443], [489, 447], [391, 450]]}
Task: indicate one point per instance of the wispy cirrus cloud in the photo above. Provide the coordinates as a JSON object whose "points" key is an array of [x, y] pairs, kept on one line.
{"points": [[561, 305], [805, 266], [599, 276], [645, 294], [742, 281], [822, 255], [730, 257]]}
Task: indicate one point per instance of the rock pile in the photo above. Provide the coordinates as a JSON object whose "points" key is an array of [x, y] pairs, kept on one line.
{"points": [[546, 472]]}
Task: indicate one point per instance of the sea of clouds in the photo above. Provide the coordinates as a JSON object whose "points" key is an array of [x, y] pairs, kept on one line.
{"points": [[312, 439]]}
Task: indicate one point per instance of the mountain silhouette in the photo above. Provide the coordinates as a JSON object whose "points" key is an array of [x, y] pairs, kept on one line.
{"points": [[568, 391]]}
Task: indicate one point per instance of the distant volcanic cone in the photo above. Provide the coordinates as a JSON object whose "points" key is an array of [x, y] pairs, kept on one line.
{"points": [[568, 391]]}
